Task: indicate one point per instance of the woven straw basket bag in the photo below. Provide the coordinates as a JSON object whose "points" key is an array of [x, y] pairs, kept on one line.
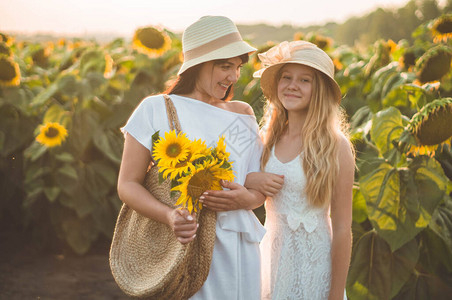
{"points": [[146, 259]]}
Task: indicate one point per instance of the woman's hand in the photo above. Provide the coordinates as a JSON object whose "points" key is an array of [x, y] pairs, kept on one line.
{"points": [[236, 197], [183, 225], [268, 184]]}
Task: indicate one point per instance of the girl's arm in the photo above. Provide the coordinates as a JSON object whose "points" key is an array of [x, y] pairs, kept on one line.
{"points": [[341, 219], [258, 186], [268, 184], [135, 160]]}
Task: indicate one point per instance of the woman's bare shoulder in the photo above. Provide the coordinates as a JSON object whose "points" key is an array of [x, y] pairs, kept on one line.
{"points": [[240, 107]]}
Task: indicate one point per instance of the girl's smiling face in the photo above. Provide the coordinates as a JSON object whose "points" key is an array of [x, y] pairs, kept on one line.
{"points": [[295, 87]]}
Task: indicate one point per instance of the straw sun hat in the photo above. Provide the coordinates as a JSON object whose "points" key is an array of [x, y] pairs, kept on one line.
{"points": [[211, 38], [297, 52]]}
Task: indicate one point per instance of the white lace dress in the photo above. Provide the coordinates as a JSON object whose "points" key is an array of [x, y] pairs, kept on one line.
{"points": [[295, 251]]}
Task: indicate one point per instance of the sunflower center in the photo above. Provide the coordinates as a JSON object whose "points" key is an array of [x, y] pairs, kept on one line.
{"points": [[199, 183], [435, 65], [39, 57], [173, 150], [436, 129], [151, 38], [7, 70], [445, 26], [409, 59], [52, 132]]}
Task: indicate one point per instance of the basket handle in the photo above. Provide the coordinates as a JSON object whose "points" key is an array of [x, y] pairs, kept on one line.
{"points": [[171, 112]]}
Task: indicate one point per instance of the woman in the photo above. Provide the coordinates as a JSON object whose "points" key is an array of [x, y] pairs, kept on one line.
{"points": [[309, 169], [213, 54]]}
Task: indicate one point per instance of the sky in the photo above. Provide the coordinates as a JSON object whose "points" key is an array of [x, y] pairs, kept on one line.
{"points": [[122, 17]]}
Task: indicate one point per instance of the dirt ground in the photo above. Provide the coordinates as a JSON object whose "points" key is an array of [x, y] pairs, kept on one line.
{"points": [[29, 273]]}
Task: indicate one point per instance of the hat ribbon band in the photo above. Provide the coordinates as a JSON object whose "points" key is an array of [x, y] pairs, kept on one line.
{"points": [[212, 45]]}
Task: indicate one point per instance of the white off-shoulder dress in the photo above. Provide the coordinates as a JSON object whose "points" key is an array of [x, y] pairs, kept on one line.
{"points": [[235, 268], [296, 250]]}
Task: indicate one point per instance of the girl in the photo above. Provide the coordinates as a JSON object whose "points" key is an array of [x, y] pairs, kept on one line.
{"points": [[308, 178]]}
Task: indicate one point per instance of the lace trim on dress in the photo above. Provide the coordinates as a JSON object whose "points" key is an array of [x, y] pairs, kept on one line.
{"points": [[295, 207]]}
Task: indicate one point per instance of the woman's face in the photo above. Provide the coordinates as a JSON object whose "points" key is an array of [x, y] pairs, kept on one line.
{"points": [[295, 87], [216, 77]]}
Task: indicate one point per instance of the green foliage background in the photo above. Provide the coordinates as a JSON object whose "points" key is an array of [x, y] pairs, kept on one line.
{"points": [[402, 205]]}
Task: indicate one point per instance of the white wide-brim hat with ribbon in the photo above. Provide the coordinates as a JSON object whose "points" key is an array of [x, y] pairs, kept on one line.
{"points": [[296, 52], [212, 38]]}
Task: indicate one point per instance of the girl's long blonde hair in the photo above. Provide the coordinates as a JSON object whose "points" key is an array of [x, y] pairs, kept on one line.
{"points": [[321, 134]]}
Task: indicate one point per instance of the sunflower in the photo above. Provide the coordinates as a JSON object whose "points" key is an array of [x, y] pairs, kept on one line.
{"points": [[173, 59], [254, 59], [151, 41], [298, 36], [51, 134], [442, 28], [337, 64], [220, 150], [434, 64], [408, 60], [392, 46], [96, 61], [41, 56], [431, 127], [5, 38], [108, 71], [177, 171], [205, 177], [9, 72], [380, 58], [172, 149], [197, 149], [62, 43], [321, 41], [4, 49]]}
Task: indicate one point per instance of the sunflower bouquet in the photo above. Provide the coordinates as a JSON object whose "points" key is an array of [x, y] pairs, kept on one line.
{"points": [[191, 166]]}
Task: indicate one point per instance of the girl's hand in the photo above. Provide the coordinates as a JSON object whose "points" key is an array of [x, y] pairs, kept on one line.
{"points": [[268, 184], [183, 225]]}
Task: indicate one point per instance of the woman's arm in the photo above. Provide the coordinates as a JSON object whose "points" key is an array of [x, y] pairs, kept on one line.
{"points": [[135, 160], [341, 219], [236, 197]]}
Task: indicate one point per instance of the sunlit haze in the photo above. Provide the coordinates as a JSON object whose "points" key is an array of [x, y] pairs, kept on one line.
{"points": [[121, 17]]}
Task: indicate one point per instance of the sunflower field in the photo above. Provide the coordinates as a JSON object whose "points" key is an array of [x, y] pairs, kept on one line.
{"points": [[62, 104]]}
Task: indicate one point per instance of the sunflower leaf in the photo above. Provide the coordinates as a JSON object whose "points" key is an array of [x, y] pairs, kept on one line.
{"points": [[375, 271], [400, 202], [155, 138], [386, 126], [65, 157], [35, 151], [52, 193], [80, 233], [69, 171], [441, 222], [359, 206]]}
